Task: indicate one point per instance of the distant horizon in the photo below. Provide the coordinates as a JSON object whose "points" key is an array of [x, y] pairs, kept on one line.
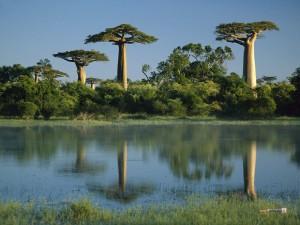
{"points": [[33, 30]]}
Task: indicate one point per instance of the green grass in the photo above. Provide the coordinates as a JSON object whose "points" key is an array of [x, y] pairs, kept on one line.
{"points": [[127, 119], [219, 211]]}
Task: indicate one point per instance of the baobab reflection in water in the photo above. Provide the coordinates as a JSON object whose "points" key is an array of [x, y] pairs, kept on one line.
{"points": [[132, 165]]}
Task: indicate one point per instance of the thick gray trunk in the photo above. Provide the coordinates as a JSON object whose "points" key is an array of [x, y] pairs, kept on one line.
{"points": [[249, 171], [249, 69], [36, 78], [81, 74], [245, 63], [122, 65]]}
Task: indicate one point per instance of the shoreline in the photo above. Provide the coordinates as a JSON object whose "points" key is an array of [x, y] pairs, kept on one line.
{"points": [[155, 120]]}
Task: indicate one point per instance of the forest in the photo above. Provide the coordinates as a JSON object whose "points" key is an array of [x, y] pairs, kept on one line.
{"points": [[192, 81]]}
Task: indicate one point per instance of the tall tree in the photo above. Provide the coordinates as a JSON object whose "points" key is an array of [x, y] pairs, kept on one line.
{"points": [[92, 82], [9, 73], [295, 80], [43, 69], [192, 62], [245, 34], [81, 58], [120, 36]]}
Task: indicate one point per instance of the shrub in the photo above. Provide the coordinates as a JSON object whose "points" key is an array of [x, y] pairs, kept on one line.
{"points": [[27, 109], [140, 98], [175, 107], [263, 105], [282, 93], [159, 107], [110, 112], [110, 93]]}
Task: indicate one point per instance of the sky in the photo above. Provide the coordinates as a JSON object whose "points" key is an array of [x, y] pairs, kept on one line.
{"points": [[34, 29]]}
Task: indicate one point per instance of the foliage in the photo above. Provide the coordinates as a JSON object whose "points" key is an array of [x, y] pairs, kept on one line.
{"points": [[194, 97], [140, 97], [192, 62], [282, 93], [9, 73], [81, 57], [48, 98], [124, 33], [27, 109], [264, 105], [235, 96], [295, 80], [240, 33], [44, 70], [82, 98], [191, 82]]}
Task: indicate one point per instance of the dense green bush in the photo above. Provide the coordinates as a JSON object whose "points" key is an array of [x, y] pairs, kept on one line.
{"points": [[140, 98], [263, 105], [110, 93], [235, 96], [27, 109], [282, 93]]}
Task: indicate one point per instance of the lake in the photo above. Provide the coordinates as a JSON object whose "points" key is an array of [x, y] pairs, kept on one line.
{"points": [[118, 166]]}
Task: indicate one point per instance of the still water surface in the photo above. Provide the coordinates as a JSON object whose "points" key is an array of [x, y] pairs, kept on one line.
{"points": [[118, 166]]}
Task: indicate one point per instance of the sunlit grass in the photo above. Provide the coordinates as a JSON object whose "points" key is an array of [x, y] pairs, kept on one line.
{"points": [[220, 210]]}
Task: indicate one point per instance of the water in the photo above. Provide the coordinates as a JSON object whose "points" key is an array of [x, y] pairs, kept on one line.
{"points": [[117, 166]]}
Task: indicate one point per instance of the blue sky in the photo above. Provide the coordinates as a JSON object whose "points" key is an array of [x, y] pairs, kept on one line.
{"points": [[35, 29]]}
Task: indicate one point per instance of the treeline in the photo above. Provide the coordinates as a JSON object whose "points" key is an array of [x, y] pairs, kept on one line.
{"points": [[192, 81]]}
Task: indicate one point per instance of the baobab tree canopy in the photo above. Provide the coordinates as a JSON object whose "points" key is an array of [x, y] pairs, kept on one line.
{"points": [[241, 32], [124, 33], [82, 57], [92, 80]]}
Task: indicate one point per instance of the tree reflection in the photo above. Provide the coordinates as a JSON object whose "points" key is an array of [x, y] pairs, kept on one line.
{"points": [[191, 151], [82, 165], [122, 192], [122, 168], [249, 163]]}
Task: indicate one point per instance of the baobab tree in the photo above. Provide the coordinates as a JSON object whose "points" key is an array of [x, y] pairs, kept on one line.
{"points": [[245, 34], [120, 36], [92, 82], [81, 58]]}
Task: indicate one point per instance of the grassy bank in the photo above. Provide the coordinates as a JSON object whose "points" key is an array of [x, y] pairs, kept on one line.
{"points": [[221, 210], [147, 120]]}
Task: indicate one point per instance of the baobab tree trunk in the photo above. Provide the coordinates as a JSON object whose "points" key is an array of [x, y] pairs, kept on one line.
{"points": [[122, 167], [249, 164], [249, 70], [81, 74], [122, 65], [36, 78]]}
